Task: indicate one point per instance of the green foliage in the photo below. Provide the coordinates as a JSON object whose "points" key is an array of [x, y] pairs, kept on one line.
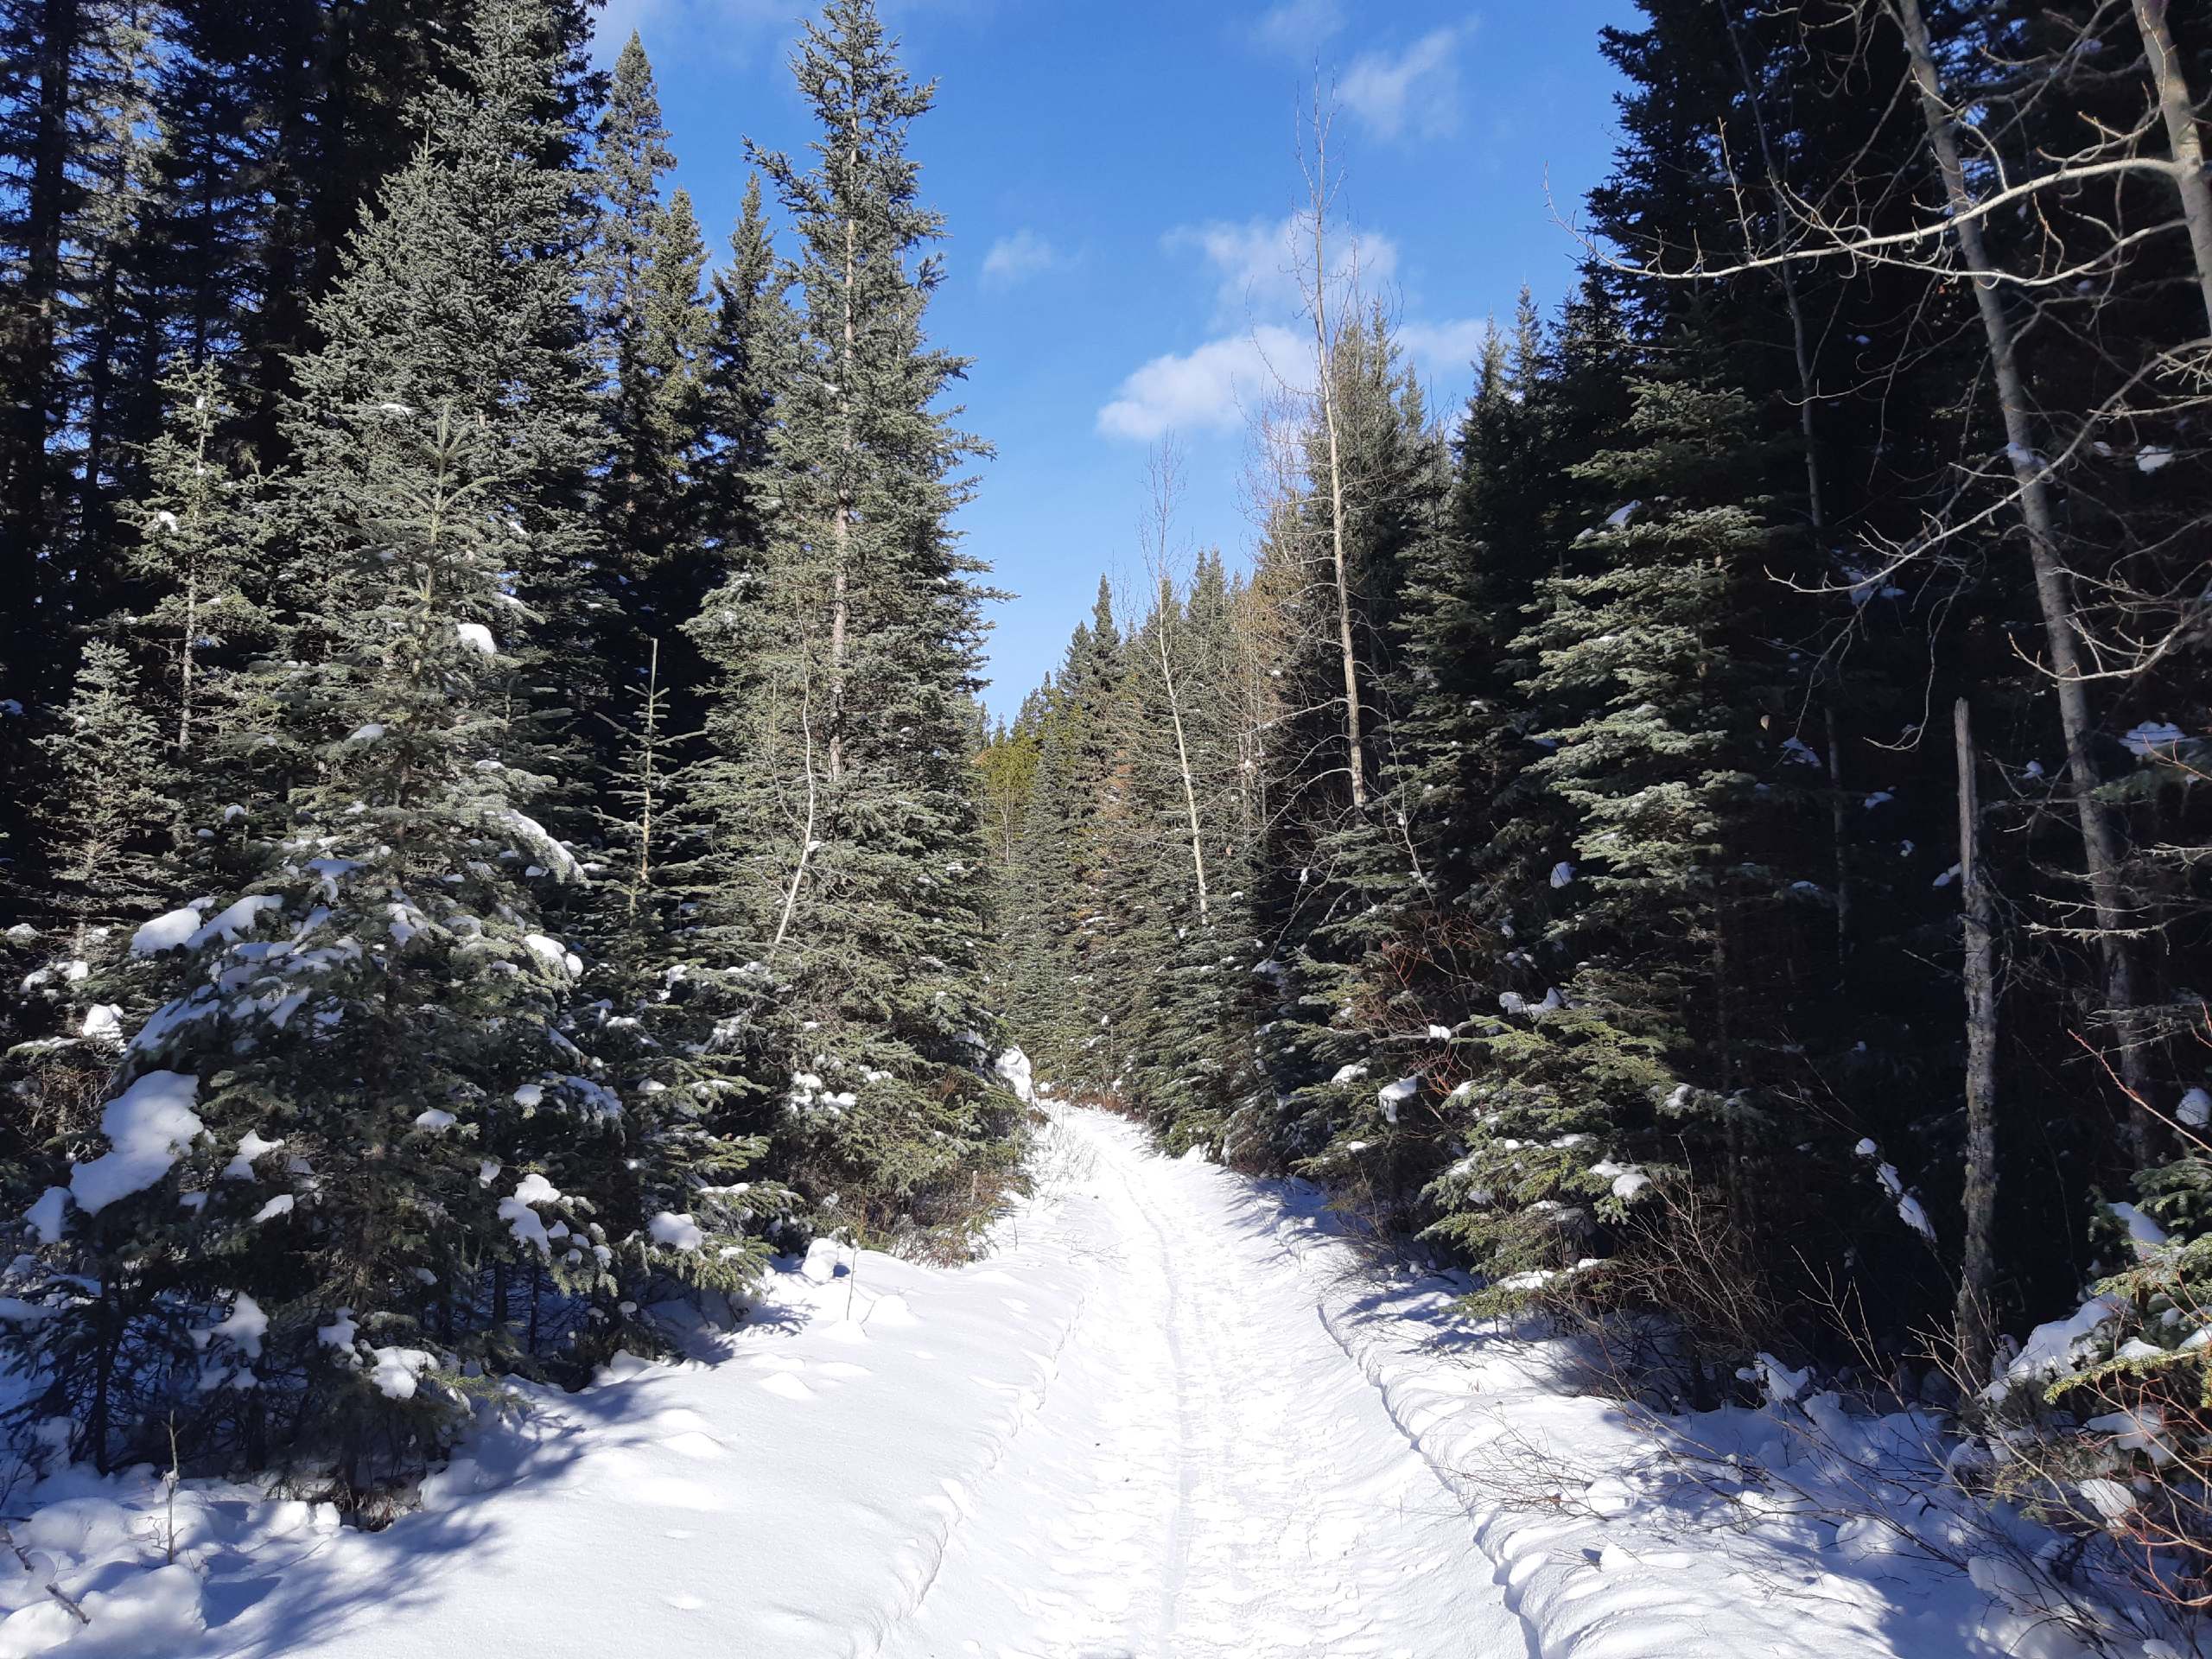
{"points": [[838, 882]]}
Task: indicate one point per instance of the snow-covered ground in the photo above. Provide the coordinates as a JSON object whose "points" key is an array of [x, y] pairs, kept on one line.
{"points": [[1173, 1414]]}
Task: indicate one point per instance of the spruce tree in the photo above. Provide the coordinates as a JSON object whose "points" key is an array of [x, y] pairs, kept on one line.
{"points": [[1641, 1059], [842, 857], [111, 818], [384, 1001], [653, 327], [197, 555], [463, 293]]}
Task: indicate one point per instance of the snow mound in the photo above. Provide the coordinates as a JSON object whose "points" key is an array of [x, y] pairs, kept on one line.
{"points": [[165, 932], [677, 1232], [1013, 1070], [1392, 1095]]}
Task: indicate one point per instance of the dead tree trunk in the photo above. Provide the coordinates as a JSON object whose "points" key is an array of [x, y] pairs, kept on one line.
{"points": [[2184, 142], [2100, 838], [841, 525], [1324, 368], [1164, 476], [1977, 1270]]}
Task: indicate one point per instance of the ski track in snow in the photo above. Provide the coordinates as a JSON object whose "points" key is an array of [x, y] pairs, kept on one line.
{"points": [[1171, 1416], [1208, 1476]]}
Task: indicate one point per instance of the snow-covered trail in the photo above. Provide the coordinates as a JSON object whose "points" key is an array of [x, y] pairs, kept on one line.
{"points": [[1171, 1416], [1127, 1433], [1208, 1473]]}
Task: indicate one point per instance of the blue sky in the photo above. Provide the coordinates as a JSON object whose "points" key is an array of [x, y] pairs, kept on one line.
{"points": [[1116, 175]]}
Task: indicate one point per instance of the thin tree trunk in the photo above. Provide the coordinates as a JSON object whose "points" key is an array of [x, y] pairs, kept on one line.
{"points": [[1163, 469], [806, 841], [842, 530], [646, 780], [1739, 1188], [1182, 760], [185, 663], [99, 388], [1977, 1272], [1839, 830], [1325, 371], [1799, 339], [2185, 143], [2099, 839]]}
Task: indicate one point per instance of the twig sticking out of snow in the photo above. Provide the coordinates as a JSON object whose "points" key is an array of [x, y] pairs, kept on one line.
{"points": [[52, 1588]]}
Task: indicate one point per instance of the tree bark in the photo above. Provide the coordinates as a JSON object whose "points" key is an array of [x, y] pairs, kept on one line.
{"points": [[2099, 839], [805, 842], [1977, 1271], [1164, 471], [1183, 758], [842, 529], [2184, 142], [1325, 373]]}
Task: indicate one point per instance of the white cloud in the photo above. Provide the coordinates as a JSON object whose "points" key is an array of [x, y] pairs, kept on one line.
{"points": [[727, 28], [1205, 390], [1297, 29], [1415, 91], [1447, 347], [1014, 258], [1259, 263]]}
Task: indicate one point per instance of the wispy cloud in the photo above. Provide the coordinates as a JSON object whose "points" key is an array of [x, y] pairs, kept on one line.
{"points": [[1260, 264], [1298, 28], [724, 28], [1415, 92], [1016, 258], [1445, 347], [1205, 390]]}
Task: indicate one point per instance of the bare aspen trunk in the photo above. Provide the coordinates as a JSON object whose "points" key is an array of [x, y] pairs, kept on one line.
{"points": [[842, 529], [1164, 473], [2100, 840], [805, 843], [184, 663], [1977, 1270], [647, 781], [1840, 829], [2184, 142], [1189, 795], [1325, 373]]}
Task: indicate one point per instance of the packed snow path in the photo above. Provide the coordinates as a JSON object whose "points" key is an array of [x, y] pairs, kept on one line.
{"points": [[1208, 1473], [1129, 1432], [1171, 1416]]}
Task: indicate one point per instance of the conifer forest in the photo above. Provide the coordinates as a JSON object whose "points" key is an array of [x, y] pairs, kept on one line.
{"points": [[1681, 873]]}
